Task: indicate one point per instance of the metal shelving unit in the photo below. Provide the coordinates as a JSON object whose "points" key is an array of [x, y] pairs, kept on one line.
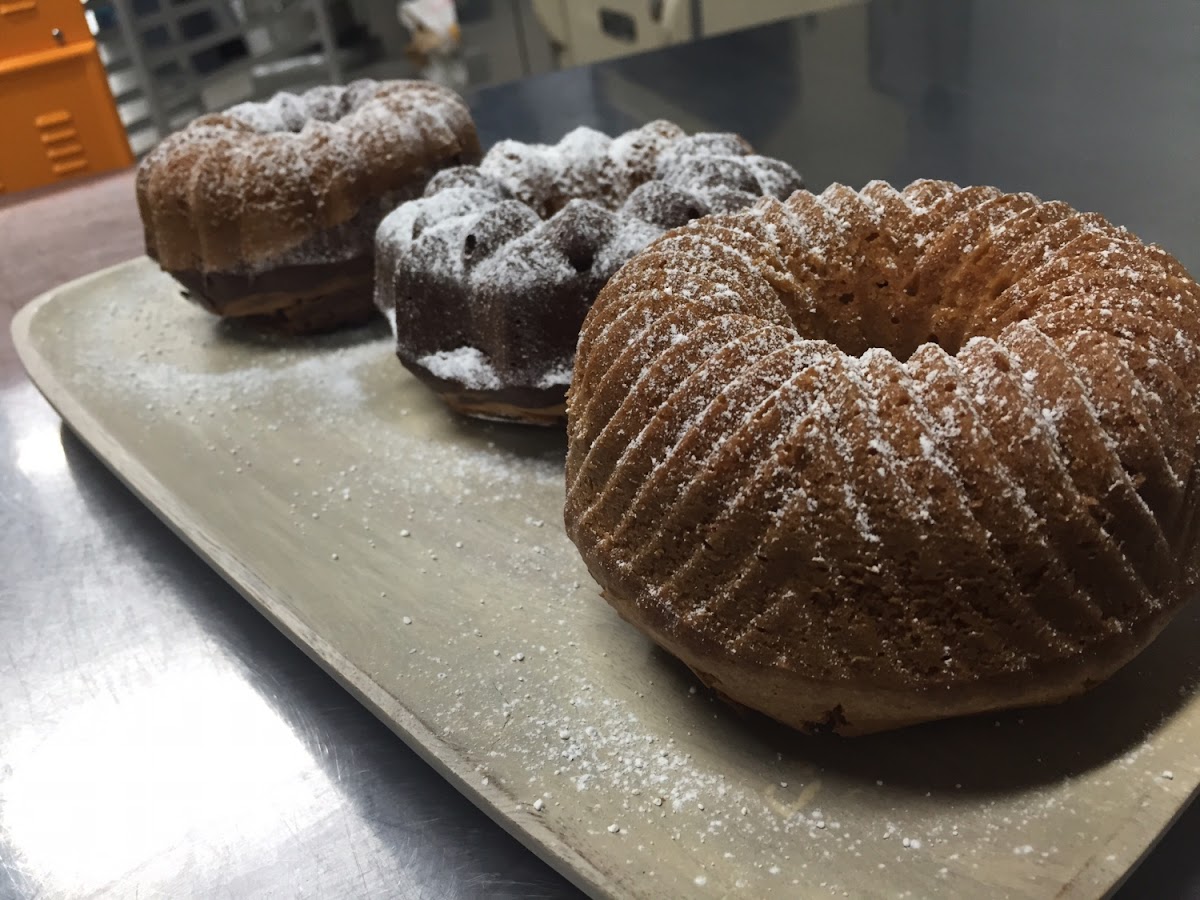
{"points": [[169, 61]]}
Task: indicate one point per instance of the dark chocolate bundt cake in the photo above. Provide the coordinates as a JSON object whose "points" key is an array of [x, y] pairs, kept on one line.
{"points": [[488, 277]]}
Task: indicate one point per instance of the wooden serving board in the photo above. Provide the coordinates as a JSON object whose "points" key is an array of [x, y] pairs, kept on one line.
{"points": [[421, 559]]}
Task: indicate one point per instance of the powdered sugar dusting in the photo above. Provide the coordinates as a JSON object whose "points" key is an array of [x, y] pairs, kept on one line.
{"points": [[466, 366], [531, 235], [559, 375], [991, 444], [334, 159], [428, 555]]}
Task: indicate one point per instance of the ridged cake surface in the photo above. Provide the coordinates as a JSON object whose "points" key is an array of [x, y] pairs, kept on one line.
{"points": [[267, 205], [868, 458], [488, 277]]}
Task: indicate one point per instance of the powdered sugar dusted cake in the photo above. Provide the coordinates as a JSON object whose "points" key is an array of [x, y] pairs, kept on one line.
{"points": [[487, 278], [868, 458], [269, 210]]}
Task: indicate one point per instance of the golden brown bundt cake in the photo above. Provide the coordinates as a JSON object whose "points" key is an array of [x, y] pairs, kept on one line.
{"points": [[269, 210], [487, 278], [864, 459]]}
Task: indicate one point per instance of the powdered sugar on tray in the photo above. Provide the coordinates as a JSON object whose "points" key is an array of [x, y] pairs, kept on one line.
{"points": [[427, 554], [466, 366], [167, 382], [557, 375]]}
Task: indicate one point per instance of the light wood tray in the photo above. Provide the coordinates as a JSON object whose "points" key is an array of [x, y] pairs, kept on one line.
{"points": [[421, 559]]}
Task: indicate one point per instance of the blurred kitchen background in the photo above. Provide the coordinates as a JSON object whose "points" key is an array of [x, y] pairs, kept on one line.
{"points": [[104, 80]]}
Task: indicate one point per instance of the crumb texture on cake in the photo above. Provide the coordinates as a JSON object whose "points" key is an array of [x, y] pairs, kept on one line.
{"points": [[297, 180], [498, 264], [867, 458]]}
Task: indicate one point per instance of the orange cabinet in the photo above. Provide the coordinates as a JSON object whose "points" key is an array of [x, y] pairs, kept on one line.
{"points": [[27, 26], [58, 113]]}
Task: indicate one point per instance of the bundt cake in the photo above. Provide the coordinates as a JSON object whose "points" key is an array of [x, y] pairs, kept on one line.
{"points": [[865, 459], [268, 210], [488, 277]]}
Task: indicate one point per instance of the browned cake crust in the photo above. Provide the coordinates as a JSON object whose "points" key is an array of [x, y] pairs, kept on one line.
{"points": [[269, 210], [487, 278], [864, 459]]}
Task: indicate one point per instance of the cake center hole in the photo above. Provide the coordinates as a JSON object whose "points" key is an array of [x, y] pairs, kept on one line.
{"points": [[862, 310]]}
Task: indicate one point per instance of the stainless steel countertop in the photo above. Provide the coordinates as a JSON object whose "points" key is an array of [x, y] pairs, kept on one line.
{"points": [[159, 738]]}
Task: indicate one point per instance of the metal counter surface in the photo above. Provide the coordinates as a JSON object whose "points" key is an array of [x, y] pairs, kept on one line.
{"points": [[256, 775]]}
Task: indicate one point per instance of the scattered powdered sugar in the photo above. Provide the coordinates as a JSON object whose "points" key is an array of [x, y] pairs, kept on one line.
{"points": [[335, 370], [359, 105], [498, 643], [557, 376], [929, 476], [285, 160], [467, 365], [536, 224]]}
